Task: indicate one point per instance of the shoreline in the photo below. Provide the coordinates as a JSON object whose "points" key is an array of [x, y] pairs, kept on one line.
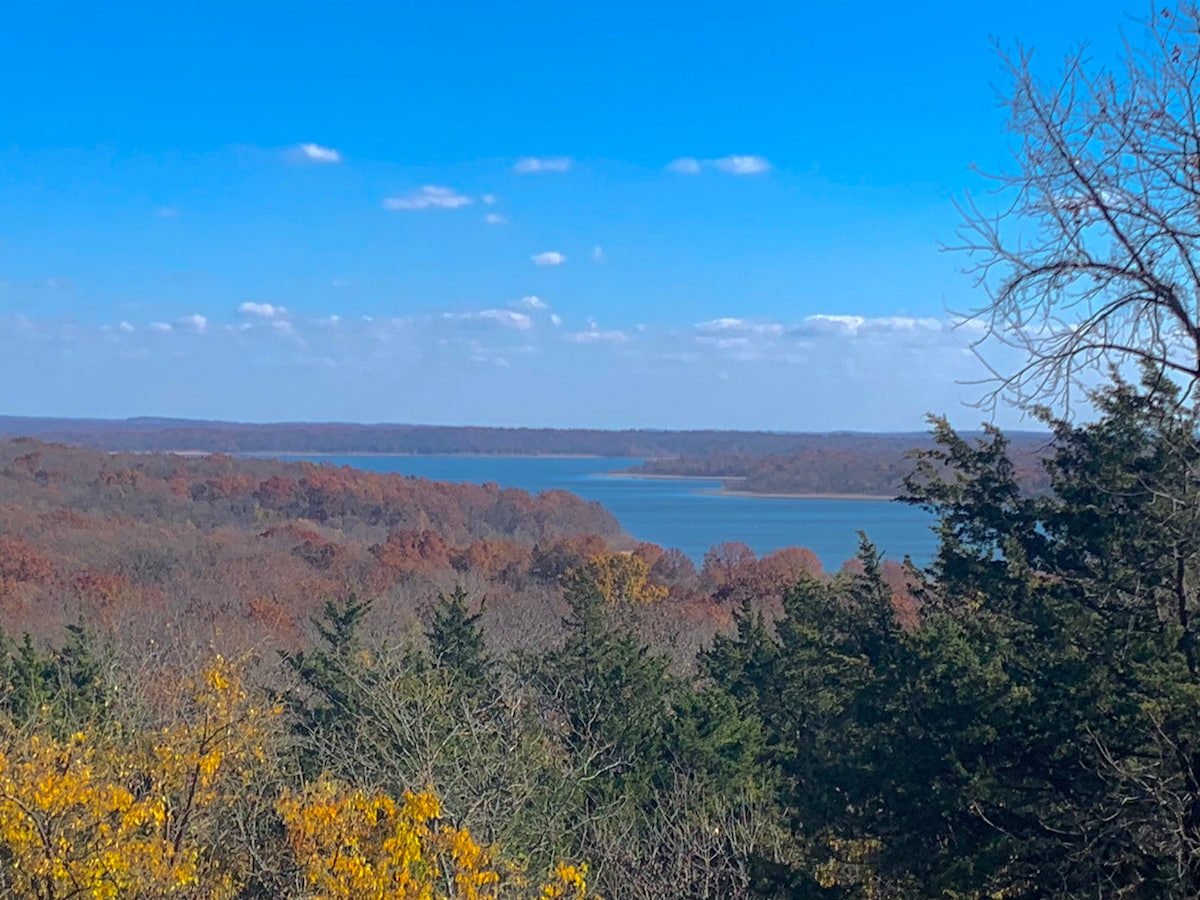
{"points": [[372, 454], [733, 492], [737, 492], [646, 476], [724, 491]]}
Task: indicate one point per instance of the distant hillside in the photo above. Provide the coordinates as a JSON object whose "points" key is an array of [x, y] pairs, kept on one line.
{"points": [[874, 464], [228, 551], [233, 437], [252, 542]]}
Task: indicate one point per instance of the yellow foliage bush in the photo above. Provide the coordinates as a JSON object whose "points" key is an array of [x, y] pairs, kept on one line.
{"points": [[355, 846], [115, 815], [144, 815]]}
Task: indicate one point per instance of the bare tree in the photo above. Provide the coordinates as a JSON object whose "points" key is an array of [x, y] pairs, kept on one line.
{"points": [[1089, 249]]}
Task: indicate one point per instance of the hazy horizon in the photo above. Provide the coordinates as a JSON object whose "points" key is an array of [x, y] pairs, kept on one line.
{"points": [[18, 420]]}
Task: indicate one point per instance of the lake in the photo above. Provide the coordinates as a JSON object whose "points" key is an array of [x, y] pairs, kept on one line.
{"points": [[684, 513]]}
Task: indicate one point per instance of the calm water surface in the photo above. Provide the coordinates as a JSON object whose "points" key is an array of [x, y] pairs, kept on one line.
{"points": [[684, 513]]}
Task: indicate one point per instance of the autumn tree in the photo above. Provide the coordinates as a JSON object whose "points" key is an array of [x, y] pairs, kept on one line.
{"points": [[116, 811], [622, 578], [352, 844], [727, 569]]}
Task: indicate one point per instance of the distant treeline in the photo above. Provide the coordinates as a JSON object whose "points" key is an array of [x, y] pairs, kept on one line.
{"points": [[872, 464], [763, 461], [147, 434]]}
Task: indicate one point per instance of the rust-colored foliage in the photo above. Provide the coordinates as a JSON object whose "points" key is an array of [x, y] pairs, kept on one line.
{"points": [[727, 567], [493, 558], [413, 551], [778, 571], [20, 561], [101, 588]]}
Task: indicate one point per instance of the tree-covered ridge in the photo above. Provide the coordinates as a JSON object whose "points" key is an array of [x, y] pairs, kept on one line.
{"points": [[147, 435], [762, 462], [875, 465], [221, 491], [168, 544]]}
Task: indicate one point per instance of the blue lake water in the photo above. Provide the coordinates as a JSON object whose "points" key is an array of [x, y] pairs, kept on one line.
{"points": [[684, 513]]}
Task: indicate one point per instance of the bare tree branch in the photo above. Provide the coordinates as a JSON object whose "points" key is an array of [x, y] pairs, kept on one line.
{"points": [[1088, 248]]}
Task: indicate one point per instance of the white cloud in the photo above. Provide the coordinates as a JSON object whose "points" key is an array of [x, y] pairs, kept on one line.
{"points": [[317, 153], [555, 320], [731, 165], [685, 165], [855, 325], [741, 165], [161, 327], [749, 340], [505, 317], [262, 310], [528, 165], [495, 219], [431, 196], [549, 258], [489, 199], [125, 327], [831, 324], [595, 335], [166, 212], [741, 326], [195, 323], [905, 323], [598, 255], [533, 302]]}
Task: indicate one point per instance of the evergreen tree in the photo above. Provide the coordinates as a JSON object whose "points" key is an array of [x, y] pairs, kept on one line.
{"points": [[456, 639], [1033, 735], [612, 693], [68, 686], [333, 682]]}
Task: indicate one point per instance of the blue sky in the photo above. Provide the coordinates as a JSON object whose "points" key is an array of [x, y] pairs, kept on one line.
{"points": [[522, 213]]}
